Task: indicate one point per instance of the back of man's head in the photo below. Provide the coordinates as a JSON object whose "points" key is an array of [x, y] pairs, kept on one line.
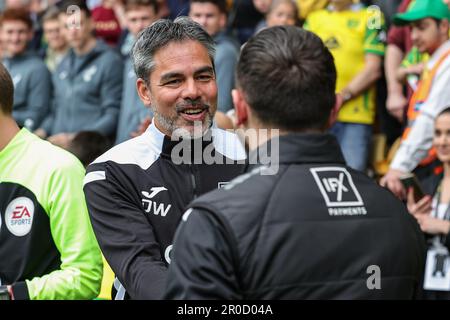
{"points": [[288, 78], [159, 35], [6, 91]]}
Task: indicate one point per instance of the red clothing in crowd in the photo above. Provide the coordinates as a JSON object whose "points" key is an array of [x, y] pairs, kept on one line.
{"points": [[107, 26], [401, 36]]}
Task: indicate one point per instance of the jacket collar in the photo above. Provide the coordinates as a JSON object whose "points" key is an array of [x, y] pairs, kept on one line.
{"points": [[166, 145], [299, 148]]}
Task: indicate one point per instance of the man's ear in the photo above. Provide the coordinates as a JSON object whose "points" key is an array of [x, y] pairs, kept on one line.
{"points": [[335, 111], [241, 107], [444, 26], [143, 92]]}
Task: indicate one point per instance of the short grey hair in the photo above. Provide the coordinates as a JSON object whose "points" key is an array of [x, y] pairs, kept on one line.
{"points": [[160, 34]]}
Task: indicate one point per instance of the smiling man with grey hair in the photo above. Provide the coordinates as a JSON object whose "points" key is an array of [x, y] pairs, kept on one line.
{"points": [[137, 191]]}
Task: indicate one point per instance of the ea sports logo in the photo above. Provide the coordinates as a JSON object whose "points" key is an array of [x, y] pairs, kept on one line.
{"points": [[19, 216]]}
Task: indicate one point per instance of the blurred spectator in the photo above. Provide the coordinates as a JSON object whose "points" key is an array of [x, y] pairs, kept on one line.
{"points": [[139, 14], [57, 46], [263, 7], [356, 39], [177, 8], [305, 7], [87, 84], [398, 44], [48, 250], [388, 7], [430, 33], [243, 19], [109, 20], [34, 8], [18, 4], [31, 77], [212, 16], [282, 13], [88, 146], [433, 214]]}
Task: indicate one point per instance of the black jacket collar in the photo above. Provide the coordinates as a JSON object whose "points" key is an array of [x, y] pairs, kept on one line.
{"points": [[299, 148]]}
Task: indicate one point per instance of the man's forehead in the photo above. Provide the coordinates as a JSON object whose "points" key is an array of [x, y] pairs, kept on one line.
{"points": [[421, 22], [204, 7], [14, 24], [176, 50]]}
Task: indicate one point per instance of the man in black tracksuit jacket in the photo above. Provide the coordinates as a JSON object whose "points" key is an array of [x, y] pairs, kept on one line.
{"points": [[137, 191], [306, 226]]}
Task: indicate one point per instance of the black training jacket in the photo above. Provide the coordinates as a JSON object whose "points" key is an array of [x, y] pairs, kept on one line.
{"points": [[136, 193], [315, 230]]}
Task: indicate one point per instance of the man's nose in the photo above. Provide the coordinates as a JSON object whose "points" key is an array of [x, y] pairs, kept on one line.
{"points": [[191, 90], [202, 21]]}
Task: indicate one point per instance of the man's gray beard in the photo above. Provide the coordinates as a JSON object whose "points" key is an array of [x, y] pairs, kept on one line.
{"points": [[170, 126]]}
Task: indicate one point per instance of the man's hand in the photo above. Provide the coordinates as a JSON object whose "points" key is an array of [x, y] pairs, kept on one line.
{"points": [[391, 180], [62, 140], [395, 105]]}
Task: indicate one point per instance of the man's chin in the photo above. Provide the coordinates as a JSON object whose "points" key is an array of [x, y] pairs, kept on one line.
{"points": [[192, 130]]}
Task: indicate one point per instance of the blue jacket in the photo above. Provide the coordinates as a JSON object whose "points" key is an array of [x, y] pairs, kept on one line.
{"points": [[132, 110], [32, 88], [87, 92], [227, 52]]}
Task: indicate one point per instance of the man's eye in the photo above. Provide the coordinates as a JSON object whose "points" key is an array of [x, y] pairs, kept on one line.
{"points": [[172, 82], [205, 77]]}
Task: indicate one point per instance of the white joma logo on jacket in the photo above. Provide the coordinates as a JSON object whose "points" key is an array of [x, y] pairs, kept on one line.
{"points": [[150, 205]]}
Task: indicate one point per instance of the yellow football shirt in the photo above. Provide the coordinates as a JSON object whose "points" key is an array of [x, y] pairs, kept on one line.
{"points": [[350, 35]]}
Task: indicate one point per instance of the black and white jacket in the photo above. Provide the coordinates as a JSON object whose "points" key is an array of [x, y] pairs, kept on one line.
{"points": [[137, 192]]}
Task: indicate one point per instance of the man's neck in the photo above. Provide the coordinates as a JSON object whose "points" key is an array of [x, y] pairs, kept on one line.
{"points": [[441, 43], [257, 136], [60, 50], [86, 48], [10, 55], [8, 130]]}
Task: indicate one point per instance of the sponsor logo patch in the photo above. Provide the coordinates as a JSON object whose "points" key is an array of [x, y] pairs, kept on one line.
{"points": [[19, 216], [338, 190]]}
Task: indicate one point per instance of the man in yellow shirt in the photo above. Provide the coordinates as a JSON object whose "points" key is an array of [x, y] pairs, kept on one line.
{"points": [[355, 36]]}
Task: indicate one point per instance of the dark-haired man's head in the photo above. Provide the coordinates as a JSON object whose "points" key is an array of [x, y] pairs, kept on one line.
{"points": [[7, 92], [16, 30], [88, 146], [78, 25], [210, 14], [286, 79], [174, 64], [140, 14]]}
